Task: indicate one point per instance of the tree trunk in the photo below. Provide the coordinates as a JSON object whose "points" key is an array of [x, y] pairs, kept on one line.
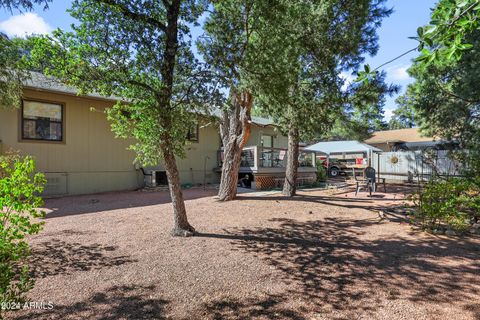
{"points": [[181, 227], [290, 184], [235, 129], [230, 168]]}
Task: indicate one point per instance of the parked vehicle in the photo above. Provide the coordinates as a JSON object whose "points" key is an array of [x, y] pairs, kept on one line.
{"points": [[337, 167]]}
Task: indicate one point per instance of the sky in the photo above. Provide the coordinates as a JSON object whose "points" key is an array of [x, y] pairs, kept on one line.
{"points": [[408, 15]]}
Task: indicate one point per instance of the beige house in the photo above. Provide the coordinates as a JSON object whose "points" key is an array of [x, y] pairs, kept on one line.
{"points": [[391, 140], [79, 154]]}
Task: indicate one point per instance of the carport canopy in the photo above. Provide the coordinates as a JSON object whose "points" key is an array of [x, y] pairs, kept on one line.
{"points": [[349, 146]]}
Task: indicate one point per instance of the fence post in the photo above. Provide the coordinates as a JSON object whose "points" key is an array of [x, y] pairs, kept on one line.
{"points": [[378, 166]]}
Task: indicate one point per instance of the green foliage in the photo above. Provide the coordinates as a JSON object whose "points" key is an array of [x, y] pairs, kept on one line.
{"points": [[125, 49], [444, 37], [12, 71], [22, 4], [301, 86], [12, 68], [321, 171], [444, 100], [20, 187], [404, 116], [362, 110], [450, 203]]}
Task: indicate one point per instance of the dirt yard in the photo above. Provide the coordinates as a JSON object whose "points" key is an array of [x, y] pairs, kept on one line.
{"points": [[320, 255]]}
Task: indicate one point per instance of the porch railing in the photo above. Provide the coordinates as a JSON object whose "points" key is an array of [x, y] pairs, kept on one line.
{"points": [[261, 157]]}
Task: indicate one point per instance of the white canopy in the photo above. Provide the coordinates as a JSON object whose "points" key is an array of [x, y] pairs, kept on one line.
{"points": [[351, 146]]}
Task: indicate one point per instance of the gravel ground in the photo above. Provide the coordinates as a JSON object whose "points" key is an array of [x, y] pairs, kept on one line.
{"points": [[320, 255]]}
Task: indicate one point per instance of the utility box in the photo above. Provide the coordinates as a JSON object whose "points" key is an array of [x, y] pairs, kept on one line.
{"points": [[150, 179], [154, 178]]}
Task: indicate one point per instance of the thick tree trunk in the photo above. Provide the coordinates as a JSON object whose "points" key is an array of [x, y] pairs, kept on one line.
{"points": [[230, 168], [181, 227], [235, 129], [290, 184]]}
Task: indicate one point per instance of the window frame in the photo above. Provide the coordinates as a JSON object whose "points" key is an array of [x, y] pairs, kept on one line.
{"points": [[22, 137], [197, 133]]}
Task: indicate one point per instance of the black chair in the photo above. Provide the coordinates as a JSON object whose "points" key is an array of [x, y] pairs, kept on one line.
{"points": [[369, 182]]}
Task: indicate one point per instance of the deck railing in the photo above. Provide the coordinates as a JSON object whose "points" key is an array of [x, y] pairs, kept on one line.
{"points": [[255, 157]]}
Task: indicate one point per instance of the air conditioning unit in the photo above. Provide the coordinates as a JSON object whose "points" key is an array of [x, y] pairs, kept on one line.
{"points": [[154, 178], [150, 179]]}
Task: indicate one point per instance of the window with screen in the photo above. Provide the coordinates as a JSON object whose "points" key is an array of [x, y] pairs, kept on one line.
{"points": [[42, 121]]}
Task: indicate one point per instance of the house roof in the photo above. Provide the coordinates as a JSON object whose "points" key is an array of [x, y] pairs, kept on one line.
{"points": [[39, 81], [400, 135], [350, 146]]}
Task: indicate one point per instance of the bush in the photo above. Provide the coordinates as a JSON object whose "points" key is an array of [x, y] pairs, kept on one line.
{"points": [[452, 203], [20, 187], [321, 171]]}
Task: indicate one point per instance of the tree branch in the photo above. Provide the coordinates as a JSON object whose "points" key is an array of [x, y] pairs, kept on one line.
{"points": [[136, 16]]}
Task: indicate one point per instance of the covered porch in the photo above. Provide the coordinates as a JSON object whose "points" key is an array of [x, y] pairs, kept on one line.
{"points": [[266, 166]]}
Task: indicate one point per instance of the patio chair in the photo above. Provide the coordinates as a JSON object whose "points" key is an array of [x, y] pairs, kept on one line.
{"points": [[369, 182]]}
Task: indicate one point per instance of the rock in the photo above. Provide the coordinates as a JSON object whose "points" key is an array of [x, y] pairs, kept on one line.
{"points": [[310, 212], [450, 232], [381, 214], [475, 228]]}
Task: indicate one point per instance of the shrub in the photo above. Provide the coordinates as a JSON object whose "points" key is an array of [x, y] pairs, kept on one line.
{"points": [[20, 187], [321, 171], [451, 203]]}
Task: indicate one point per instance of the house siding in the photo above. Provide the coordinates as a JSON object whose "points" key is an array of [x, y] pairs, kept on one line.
{"points": [[91, 160]]}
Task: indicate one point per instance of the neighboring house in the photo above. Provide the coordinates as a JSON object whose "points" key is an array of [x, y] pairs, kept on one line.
{"points": [[79, 154], [401, 139]]}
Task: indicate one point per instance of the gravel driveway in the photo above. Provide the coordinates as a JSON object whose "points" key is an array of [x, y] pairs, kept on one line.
{"points": [[320, 255]]}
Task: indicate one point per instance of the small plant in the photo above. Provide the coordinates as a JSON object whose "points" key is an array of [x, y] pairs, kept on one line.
{"points": [[20, 187], [447, 204], [321, 171]]}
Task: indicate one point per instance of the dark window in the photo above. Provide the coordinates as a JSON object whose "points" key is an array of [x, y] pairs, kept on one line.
{"points": [[42, 121], [192, 134]]}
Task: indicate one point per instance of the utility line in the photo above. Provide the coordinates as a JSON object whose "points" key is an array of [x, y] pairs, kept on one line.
{"points": [[396, 58], [449, 25]]}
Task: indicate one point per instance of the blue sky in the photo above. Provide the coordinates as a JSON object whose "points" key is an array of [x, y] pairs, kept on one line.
{"points": [[408, 15]]}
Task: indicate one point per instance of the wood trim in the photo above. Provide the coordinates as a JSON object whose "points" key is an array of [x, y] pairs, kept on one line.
{"points": [[20, 122]]}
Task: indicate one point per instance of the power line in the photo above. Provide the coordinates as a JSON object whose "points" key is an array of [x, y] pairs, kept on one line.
{"points": [[396, 58]]}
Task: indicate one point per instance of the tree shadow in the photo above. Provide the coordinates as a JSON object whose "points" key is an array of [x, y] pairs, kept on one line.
{"points": [[376, 203], [267, 307], [56, 256], [331, 264], [117, 302], [94, 203]]}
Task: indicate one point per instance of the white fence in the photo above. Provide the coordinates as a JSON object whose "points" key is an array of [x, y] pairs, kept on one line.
{"points": [[414, 165]]}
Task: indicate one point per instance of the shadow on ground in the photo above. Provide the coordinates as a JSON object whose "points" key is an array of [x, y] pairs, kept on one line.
{"points": [[73, 205], [266, 307], [54, 257], [117, 302], [375, 203], [331, 265]]}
